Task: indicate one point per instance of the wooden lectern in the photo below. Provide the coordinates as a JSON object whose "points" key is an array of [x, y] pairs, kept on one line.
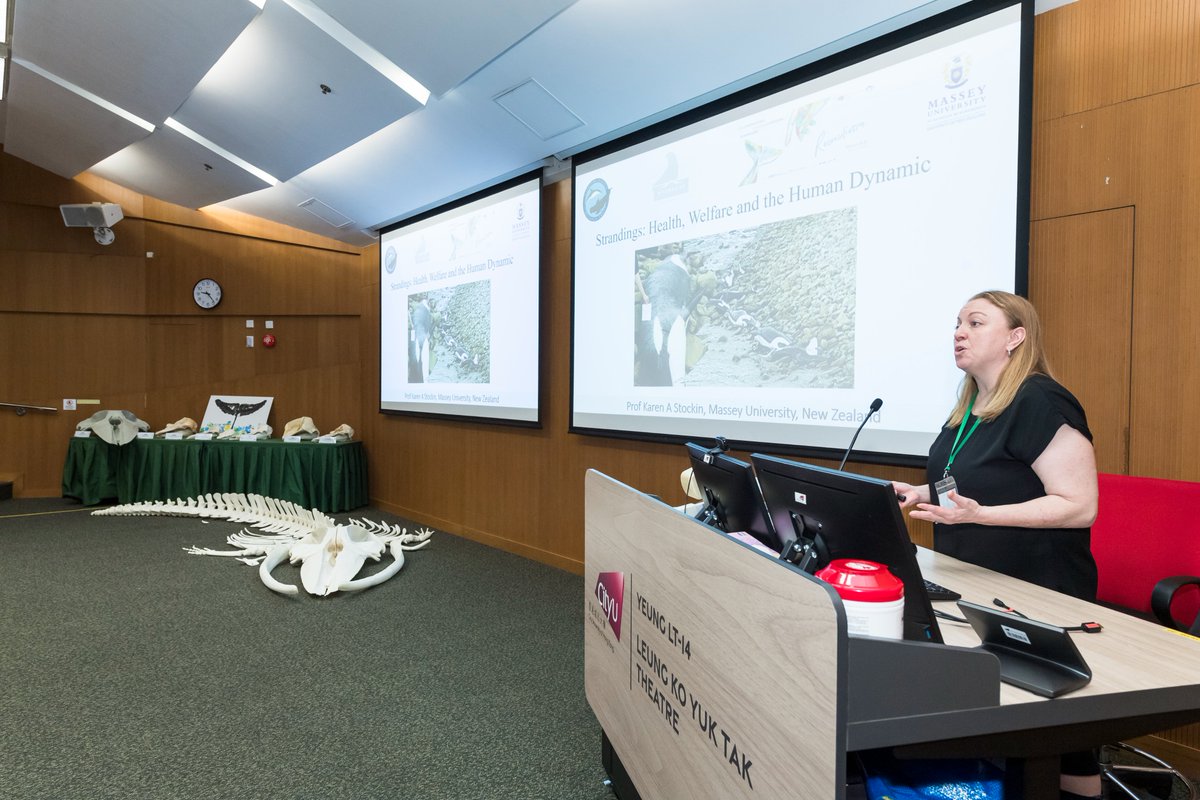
{"points": [[717, 671]]}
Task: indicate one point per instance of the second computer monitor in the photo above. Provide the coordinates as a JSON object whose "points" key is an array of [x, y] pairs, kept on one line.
{"points": [[846, 516], [730, 494]]}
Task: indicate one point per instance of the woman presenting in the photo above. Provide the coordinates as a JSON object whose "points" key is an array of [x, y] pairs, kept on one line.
{"points": [[1013, 470]]}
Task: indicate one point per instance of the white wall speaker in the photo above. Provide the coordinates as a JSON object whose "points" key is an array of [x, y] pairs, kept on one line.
{"points": [[91, 215]]}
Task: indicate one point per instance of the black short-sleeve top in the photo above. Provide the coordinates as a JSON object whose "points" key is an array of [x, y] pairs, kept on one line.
{"points": [[995, 467]]}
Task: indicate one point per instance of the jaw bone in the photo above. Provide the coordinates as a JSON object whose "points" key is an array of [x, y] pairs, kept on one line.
{"points": [[329, 560]]}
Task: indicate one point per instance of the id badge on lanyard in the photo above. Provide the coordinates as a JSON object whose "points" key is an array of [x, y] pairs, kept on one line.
{"points": [[947, 484], [943, 488]]}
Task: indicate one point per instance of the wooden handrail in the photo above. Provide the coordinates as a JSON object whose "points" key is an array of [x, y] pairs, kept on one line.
{"points": [[21, 408]]}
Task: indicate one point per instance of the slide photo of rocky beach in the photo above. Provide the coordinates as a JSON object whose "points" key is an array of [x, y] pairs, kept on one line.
{"points": [[765, 306], [450, 334]]}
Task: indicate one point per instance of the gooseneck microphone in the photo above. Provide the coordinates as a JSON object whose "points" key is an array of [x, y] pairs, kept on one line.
{"points": [[876, 404]]}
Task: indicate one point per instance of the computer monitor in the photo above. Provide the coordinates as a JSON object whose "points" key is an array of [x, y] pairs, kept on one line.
{"points": [[843, 515], [732, 501]]}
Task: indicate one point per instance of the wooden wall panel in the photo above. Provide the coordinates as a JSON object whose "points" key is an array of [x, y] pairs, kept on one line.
{"points": [[225, 220], [47, 357], [1143, 153], [82, 320], [72, 283], [51, 356], [161, 369], [1095, 53], [192, 358], [182, 352], [26, 228], [258, 276], [306, 393], [1117, 125], [49, 267], [1165, 439], [1081, 280]]}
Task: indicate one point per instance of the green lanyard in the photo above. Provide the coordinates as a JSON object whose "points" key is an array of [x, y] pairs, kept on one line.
{"points": [[957, 446]]}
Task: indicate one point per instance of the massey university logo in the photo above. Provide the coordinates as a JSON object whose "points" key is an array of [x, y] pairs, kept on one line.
{"points": [[963, 97], [956, 72], [595, 199], [389, 260], [610, 594]]}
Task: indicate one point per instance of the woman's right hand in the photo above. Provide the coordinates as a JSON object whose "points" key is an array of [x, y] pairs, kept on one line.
{"points": [[908, 495]]}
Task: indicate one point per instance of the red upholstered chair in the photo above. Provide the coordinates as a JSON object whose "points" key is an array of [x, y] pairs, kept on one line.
{"points": [[1147, 530]]}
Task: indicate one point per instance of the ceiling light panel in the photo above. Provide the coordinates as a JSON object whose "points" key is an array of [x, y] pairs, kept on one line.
{"points": [[91, 97], [216, 149], [623, 88], [461, 147], [56, 129], [538, 110], [167, 164], [468, 33], [369, 55], [326, 213], [145, 58], [263, 101]]}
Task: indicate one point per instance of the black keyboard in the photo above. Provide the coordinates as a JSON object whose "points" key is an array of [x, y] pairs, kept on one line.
{"points": [[938, 593]]}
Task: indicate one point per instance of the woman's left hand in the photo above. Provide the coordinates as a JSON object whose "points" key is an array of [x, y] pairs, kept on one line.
{"points": [[964, 510]]}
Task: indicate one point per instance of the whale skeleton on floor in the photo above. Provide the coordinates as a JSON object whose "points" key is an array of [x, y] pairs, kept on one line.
{"points": [[329, 554]]}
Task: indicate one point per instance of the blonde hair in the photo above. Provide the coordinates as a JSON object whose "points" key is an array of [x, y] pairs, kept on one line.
{"points": [[1028, 358]]}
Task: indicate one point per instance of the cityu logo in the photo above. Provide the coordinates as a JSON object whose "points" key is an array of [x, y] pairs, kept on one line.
{"points": [[610, 594]]}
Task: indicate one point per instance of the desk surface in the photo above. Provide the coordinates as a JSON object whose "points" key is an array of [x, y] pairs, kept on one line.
{"points": [[1146, 678], [329, 477]]}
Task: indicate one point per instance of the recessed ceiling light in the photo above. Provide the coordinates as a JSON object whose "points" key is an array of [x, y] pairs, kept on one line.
{"points": [[85, 94]]}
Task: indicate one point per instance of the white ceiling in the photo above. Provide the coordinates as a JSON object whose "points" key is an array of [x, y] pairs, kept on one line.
{"points": [[249, 80]]}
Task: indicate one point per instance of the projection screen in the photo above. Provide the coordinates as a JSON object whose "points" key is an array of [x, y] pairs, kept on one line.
{"points": [[765, 268]]}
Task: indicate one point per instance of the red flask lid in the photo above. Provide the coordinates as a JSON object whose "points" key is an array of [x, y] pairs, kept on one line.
{"points": [[864, 581]]}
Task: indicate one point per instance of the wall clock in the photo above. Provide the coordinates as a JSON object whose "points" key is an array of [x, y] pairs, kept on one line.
{"points": [[206, 293]]}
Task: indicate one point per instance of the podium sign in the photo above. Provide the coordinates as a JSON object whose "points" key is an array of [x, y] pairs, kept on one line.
{"points": [[694, 650]]}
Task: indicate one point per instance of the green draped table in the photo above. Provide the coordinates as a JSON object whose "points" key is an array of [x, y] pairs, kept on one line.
{"points": [[329, 477]]}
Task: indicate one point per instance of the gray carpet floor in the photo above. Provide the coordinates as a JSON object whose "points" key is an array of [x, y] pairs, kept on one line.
{"points": [[130, 669]]}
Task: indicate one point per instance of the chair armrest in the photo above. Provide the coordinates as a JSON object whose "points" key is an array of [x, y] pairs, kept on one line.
{"points": [[1164, 592]]}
